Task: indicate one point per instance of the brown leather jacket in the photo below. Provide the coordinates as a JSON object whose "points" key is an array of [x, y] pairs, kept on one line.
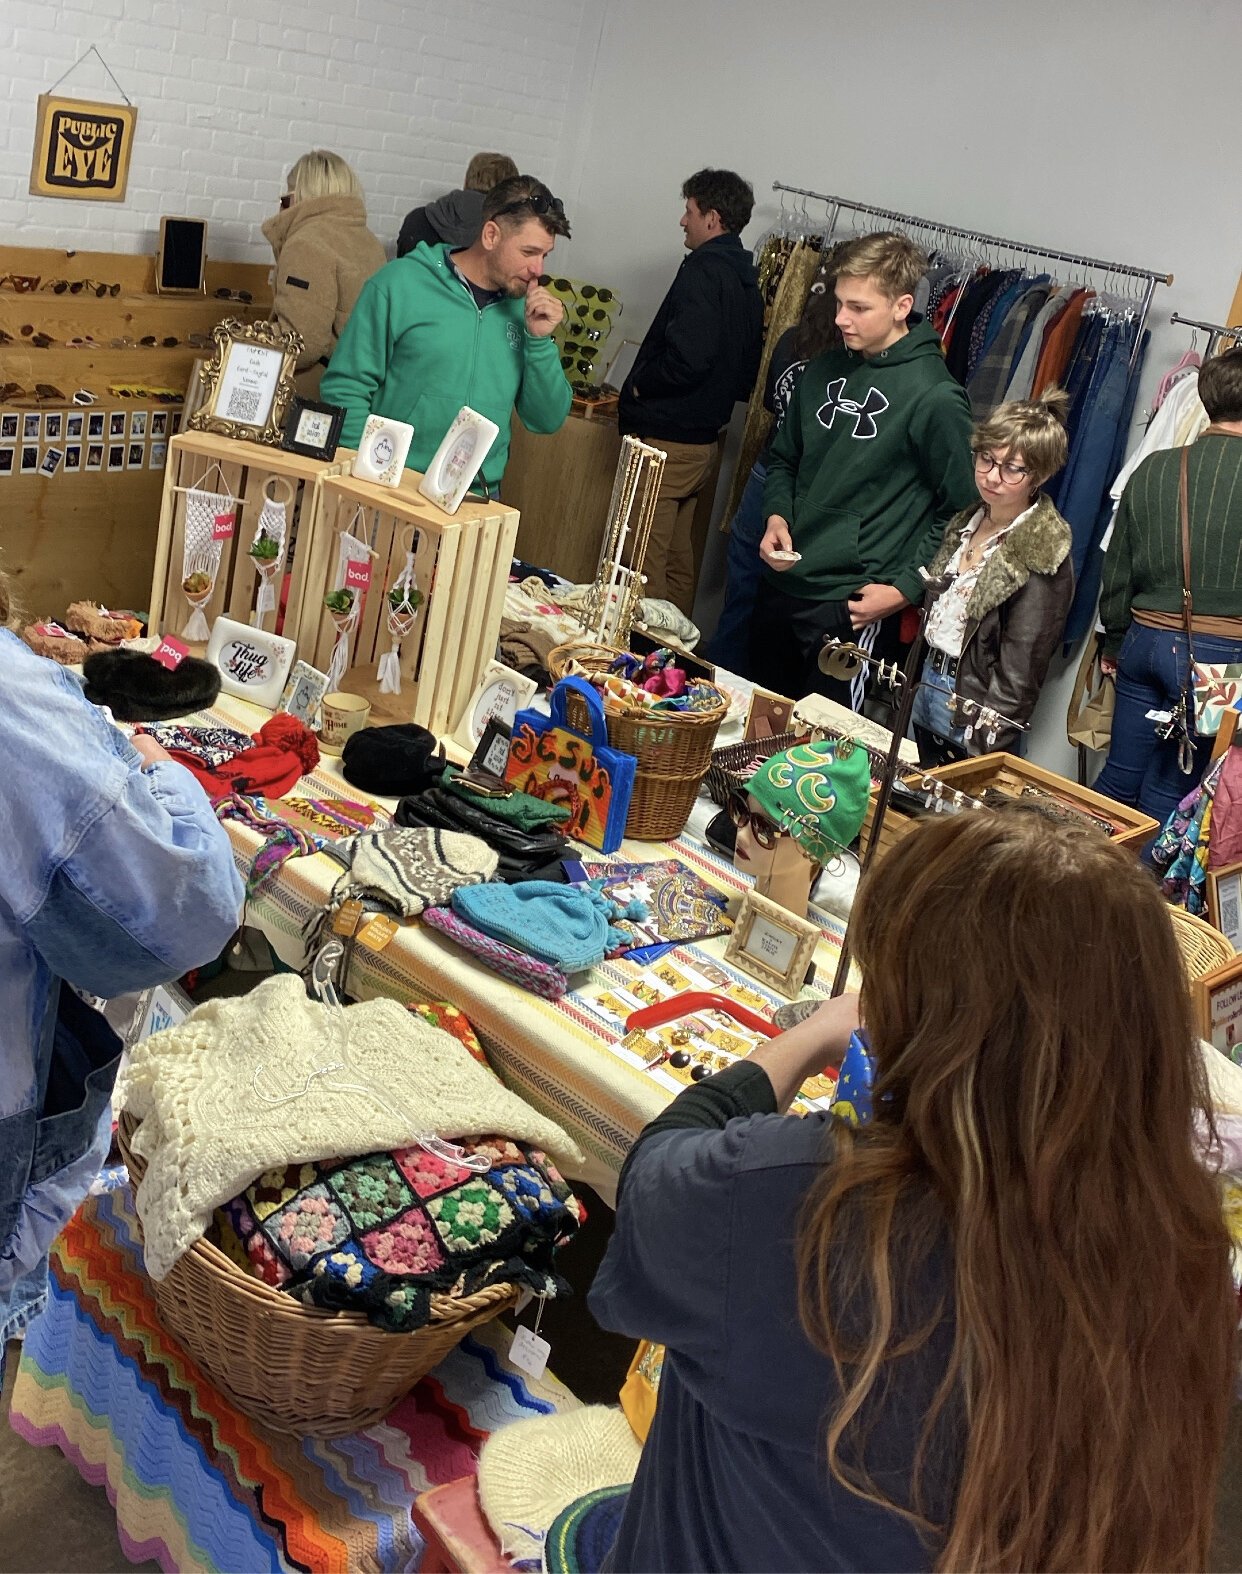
{"points": [[1015, 615]]}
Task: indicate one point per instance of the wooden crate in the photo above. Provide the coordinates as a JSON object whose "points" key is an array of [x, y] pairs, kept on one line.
{"points": [[462, 566], [246, 468], [1010, 774]]}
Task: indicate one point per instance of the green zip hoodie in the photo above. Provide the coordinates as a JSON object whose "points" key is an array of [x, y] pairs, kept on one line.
{"points": [[872, 461], [416, 348]]}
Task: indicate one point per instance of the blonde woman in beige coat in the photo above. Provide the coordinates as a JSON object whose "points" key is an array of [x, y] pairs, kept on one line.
{"points": [[324, 255]]}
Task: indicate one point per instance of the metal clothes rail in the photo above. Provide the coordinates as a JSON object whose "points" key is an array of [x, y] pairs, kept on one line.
{"points": [[893, 215], [1215, 331]]}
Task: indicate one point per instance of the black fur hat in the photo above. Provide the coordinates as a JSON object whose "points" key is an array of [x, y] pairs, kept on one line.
{"points": [[135, 687]]}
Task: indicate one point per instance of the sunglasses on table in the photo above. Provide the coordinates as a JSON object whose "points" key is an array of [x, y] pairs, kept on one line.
{"points": [[23, 283], [224, 294]]}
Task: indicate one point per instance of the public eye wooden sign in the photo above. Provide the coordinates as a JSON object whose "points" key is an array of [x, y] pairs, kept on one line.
{"points": [[82, 150]]}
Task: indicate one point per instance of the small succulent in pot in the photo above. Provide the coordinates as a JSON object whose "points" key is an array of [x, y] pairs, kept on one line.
{"points": [[264, 548], [340, 601], [400, 596], [196, 584]]}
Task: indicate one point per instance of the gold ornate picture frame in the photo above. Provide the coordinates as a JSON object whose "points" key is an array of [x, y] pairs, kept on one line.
{"points": [[772, 944], [247, 384]]}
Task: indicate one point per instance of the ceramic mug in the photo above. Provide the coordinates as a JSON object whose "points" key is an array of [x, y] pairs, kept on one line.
{"points": [[343, 715]]}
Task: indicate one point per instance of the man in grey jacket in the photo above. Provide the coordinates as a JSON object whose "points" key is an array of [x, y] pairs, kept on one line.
{"points": [[456, 218]]}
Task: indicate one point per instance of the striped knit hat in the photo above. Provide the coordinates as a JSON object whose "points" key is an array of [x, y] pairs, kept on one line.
{"points": [[410, 868]]}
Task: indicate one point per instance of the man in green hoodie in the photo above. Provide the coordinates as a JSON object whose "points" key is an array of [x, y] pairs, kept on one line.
{"points": [[439, 329], [871, 462]]}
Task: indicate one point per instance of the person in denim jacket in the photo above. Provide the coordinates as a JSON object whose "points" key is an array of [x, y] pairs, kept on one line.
{"points": [[116, 876]]}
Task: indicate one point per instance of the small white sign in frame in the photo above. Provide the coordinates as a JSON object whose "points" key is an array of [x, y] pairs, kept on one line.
{"points": [[773, 945], [500, 695]]}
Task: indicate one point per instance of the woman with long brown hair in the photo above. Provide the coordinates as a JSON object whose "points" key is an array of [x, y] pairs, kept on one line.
{"points": [[993, 1329]]}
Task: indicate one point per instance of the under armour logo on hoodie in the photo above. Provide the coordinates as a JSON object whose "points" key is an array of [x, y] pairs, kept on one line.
{"points": [[864, 414]]}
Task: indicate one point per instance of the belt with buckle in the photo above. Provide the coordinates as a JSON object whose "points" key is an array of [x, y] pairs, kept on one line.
{"points": [[941, 661]]}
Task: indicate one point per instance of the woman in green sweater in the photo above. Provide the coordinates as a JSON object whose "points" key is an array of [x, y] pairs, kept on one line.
{"points": [[1141, 602]]}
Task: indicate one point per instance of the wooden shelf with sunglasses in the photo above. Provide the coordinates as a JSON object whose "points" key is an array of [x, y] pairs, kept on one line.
{"points": [[90, 323]]}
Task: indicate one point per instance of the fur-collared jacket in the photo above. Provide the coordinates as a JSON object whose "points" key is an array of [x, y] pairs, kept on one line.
{"points": [[1015, 615]]}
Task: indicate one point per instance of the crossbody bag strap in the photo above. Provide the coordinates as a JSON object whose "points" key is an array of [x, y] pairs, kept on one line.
{"points": [[1188, 604]]}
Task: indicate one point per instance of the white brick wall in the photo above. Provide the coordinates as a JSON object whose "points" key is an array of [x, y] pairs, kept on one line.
{"points": [[230, 92]]}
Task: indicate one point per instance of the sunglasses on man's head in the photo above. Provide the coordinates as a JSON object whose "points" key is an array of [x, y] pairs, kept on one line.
{"points": [[540, 203]]}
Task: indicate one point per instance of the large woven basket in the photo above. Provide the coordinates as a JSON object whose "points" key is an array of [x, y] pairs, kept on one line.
{"points": [[1202, 947], [673, 749], [298, 1368]]}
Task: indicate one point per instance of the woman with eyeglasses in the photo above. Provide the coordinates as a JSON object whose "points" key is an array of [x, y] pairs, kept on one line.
{"points": [[324, 255], [994, 1327], [1007, 586]]}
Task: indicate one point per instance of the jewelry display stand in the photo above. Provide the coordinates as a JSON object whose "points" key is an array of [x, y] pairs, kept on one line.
{"points": [[612, 603]]}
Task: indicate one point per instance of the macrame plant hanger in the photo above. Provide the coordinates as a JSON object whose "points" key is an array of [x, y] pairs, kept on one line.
{"points": [[210, 518], [344, 600], [268, 546], [402, 603]]}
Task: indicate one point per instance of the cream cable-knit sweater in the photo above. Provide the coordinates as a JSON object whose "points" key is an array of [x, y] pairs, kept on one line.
{"points": [[252, 1084]]}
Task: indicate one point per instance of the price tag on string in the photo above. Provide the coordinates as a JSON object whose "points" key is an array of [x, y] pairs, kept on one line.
{"points": [[358, 574], [170, 652], [223, 526], [528, 1352]]}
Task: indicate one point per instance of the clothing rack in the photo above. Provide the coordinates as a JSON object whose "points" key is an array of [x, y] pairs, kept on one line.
{"points": [[1121, 269], [1215, 331]]}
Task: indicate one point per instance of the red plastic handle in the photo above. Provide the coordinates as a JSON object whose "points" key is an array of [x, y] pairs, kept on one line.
{"points": [[686, 1005]]}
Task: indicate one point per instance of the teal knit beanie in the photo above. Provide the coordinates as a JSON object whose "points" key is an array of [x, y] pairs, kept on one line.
{"points": [[568, 926], [817, 792]]}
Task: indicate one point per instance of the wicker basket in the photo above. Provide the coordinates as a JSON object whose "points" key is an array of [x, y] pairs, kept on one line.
{"points": [[298, 1368], [1202, 947], [673, 749]]}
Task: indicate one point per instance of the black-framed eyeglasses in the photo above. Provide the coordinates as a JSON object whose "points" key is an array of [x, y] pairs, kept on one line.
{"points": [[596, 313], [590, 293], [541, 202], [762, 829], [985, 463], [546, 280], [585, 367], [590, 351]]}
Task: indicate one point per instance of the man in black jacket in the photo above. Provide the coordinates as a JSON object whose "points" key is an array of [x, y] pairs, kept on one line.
{"points": [[700, 356]]}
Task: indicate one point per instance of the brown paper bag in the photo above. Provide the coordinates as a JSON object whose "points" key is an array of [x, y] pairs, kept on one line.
{"points": [[1090, 719]]}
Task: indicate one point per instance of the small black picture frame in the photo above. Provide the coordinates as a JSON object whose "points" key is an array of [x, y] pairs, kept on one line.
{"points": [[313, 429]]}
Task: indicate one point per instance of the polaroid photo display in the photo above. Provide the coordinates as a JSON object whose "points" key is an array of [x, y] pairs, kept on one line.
{"points": [[53, 421], [137, 456], [116, 424], [7, 457], [31, 427], [51, 461], [9, 425], [159, 453], [95, 424], [30, 458], [73, 426], [116, 456], [94, 456], [159, 423], [73, 456], [138, 423]]}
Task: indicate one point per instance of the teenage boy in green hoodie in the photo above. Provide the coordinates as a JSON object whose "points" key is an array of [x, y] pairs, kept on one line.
{"points": [[440, 328], [871, 462]]}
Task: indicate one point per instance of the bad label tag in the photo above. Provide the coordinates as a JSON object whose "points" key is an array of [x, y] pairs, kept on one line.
{"points": [[348, 917], [170, 652], [222, 529], [378, 933], [529, 1353], [358, 573]]}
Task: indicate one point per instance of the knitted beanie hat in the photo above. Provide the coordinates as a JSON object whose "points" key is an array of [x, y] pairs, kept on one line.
{"points": [[136, 687], [417, 867], [817, 792], [566, 925], [391, 761], [281, 754], [531, 1470]]}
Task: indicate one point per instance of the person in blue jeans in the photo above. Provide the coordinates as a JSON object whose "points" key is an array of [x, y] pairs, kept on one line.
{"points": [[116, 875], [816, 332], [1145, 644]]}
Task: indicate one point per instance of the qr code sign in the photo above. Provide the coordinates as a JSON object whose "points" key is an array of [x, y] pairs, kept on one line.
{"points": [[1229, 911], [243, 405]]}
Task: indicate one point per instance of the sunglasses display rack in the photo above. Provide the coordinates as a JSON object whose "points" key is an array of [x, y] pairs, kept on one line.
{"points": [[240, 472], [591, 311], [94, 367], [461, 566]]}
